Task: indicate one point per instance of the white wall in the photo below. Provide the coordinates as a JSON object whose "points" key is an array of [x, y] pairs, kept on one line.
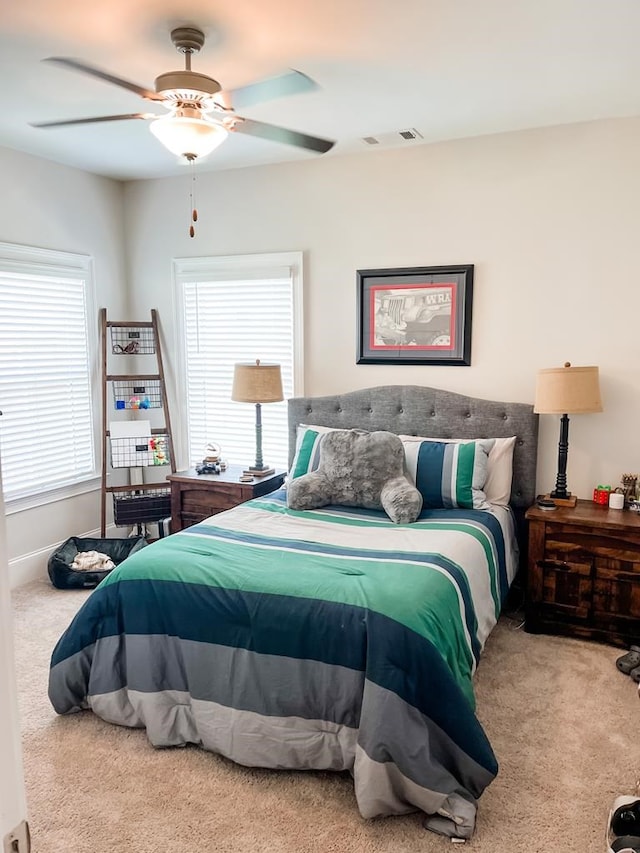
{"points": [[56, 207], [549, 218]]}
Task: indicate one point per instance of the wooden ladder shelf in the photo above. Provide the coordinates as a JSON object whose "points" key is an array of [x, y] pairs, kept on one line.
{"points": [[135, 503]]}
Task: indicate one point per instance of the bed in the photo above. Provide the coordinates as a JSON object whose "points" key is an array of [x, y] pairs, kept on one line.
{"points": [[322, 639]]}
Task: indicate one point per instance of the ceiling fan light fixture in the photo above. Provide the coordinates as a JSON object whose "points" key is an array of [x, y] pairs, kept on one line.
{"points": [[200, 112], [188, 137]]}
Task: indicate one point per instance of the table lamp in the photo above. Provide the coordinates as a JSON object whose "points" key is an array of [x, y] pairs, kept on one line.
{"points": [[564, 391], [257, 383]]}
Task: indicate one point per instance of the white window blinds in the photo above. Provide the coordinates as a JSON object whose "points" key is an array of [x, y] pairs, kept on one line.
{"points": [[46, 430], [238, 310]]}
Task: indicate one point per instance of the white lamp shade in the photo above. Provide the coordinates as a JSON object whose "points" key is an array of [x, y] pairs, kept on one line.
{"points": [[568, 390], [184, 136], [256, 382]]}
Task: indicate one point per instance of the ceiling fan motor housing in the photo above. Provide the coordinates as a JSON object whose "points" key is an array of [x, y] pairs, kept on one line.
{"points": [[184, 85], [187, 86]]}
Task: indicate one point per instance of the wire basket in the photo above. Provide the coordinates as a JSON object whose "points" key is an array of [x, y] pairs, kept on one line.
{"points": [[141, 507], [137, 394], [141, 452], [132, 341]]}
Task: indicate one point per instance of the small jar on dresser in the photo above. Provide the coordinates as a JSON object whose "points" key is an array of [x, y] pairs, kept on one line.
{"points": [[584, 573]]}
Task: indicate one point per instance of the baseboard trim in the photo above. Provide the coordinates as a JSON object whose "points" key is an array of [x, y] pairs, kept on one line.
{"points": [[33, 566]]}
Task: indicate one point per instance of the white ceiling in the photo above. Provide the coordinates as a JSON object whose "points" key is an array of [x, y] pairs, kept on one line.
{"points": [[449, 68]]}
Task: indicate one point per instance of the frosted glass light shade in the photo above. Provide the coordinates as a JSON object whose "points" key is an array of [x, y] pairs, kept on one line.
{"points": [[188, 137]]}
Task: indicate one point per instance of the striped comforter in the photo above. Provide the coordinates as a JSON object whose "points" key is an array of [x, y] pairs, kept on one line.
{"points": [[330, 639]]}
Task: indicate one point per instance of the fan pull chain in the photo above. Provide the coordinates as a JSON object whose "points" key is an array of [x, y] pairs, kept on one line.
{"points": [[194, 209], [192, 196]]}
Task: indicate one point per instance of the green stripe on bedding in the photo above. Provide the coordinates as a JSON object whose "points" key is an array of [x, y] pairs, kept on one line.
{"points": [[375, 584], [357, 519], [378, 584]]}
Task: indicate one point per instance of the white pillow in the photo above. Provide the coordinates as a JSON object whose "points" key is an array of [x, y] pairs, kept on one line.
{"points": [[500, 473], [497, 487]]}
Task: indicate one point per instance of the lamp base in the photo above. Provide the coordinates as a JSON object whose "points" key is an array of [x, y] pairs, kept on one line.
{"points": [[570, 500], [259, 472]]}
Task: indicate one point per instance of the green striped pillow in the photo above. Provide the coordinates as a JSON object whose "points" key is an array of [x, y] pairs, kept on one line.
{"points": [[449, 475]]}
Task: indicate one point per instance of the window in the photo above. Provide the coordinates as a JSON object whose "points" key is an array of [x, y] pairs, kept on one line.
{"points": [[238, 309], [46, 429]]}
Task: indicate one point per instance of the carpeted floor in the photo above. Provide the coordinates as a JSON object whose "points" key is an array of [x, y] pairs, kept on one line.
{"points": [[564, 723]]}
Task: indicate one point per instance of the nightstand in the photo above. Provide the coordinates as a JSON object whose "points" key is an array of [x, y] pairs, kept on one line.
{"points": [[195, 497], [584, 573]]}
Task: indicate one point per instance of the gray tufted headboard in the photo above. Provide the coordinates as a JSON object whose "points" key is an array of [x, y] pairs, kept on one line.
{"points": [[416, 410]]}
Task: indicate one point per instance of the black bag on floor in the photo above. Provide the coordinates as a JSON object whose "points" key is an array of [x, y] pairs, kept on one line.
{"points": [[59, 565]]}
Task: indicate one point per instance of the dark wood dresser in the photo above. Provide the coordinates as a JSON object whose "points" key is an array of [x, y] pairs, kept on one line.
{"points": [[195, 497], [584, 573]]}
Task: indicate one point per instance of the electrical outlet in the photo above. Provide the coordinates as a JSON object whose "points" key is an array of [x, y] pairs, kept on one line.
{"points": [[18, 840]]}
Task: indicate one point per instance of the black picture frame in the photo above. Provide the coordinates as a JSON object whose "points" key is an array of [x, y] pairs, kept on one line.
{"points": [[415, 315]]}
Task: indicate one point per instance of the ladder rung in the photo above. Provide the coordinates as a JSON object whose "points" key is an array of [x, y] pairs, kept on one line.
{"points": [[154, 430], [135, 487], [146, 324], [123, 377]]}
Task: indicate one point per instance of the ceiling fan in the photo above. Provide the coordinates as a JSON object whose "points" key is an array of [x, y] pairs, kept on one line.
{"points": [[200, 112]]}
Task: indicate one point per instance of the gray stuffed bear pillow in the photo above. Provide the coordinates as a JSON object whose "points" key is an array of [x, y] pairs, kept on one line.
{"points": [[358, 468]]}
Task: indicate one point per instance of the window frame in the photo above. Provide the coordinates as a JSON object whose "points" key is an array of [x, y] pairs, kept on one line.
{"points": [[216, 267], [32, 260]]}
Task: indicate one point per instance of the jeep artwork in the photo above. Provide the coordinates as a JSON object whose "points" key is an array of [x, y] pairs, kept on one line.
{"points": [[406, 319]]}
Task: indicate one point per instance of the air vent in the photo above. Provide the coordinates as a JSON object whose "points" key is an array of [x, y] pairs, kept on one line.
{"points": [[410, 134], [396, 137]]}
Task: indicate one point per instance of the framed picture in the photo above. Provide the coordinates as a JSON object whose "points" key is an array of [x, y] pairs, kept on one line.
{"points": [[415, 315]]}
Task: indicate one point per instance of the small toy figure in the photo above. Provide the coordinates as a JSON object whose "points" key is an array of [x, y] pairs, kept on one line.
{"points": [[208, 468]]}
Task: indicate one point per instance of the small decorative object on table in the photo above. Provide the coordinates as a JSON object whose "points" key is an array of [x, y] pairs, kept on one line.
{"points": [[601, 495], [616, 499], [629, 487], [545, 503], [212, 463], [208, 467], [212, 452]]}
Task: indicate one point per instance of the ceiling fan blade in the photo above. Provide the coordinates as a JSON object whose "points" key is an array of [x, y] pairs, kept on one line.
{"points": [[104, 75], [282, 134], [290, 83], [67, 122]]}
